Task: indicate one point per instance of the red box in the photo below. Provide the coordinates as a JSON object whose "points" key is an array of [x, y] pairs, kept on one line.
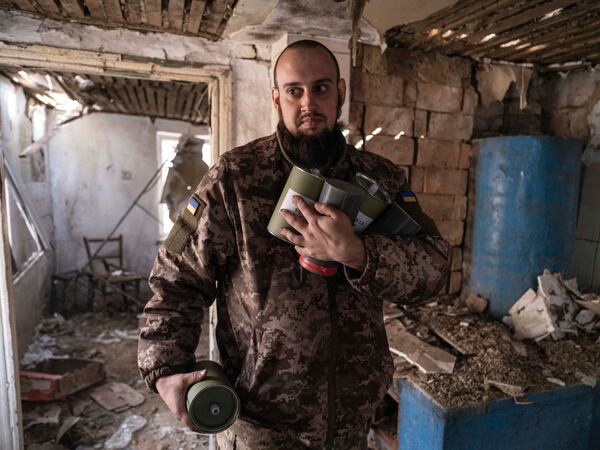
{"points": [[56, 378]]}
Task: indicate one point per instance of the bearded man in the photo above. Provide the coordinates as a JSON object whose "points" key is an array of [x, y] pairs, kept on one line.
{"points": [[307, 354]]}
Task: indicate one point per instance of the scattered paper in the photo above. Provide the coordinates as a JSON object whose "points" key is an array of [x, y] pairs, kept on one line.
{"points": [[556, 381], [446, 338], [117, 396]]}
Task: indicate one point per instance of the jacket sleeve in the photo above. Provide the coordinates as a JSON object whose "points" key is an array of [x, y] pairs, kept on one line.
{"points": [[184, 281], [403, 269]]}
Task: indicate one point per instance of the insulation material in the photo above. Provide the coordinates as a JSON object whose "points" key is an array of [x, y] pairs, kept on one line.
{"points": [[186, 171], [494, 80]]}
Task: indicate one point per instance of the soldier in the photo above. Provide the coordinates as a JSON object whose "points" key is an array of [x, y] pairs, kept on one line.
{"points": [[308, 354]]}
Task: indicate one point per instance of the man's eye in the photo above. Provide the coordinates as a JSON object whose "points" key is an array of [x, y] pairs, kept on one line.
{"points": [[295, 92], [320, 88]]}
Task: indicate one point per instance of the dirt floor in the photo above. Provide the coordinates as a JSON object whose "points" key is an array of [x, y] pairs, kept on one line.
{"points": [[486, 352], [111, 338]]}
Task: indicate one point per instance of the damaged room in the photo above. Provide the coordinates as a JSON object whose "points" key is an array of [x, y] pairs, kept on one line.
{"points": [[293, 225]]}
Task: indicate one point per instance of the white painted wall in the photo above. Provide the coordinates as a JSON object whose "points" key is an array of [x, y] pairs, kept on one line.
{"points": [[31, 290], [90, 158]]}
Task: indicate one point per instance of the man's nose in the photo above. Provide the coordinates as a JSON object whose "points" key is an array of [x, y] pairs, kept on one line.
{"points": [[308, 101]]}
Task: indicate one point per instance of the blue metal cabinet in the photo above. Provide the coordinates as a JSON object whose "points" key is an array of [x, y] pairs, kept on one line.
{"points": [[564, 418]]}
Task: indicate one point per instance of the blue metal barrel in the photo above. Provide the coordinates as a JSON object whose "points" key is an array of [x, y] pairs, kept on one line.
{"points": [[527, 191]]}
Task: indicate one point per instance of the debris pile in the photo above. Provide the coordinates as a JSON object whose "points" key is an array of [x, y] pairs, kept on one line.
{"points": [[556, 309], [84, 407], [460, 356]]}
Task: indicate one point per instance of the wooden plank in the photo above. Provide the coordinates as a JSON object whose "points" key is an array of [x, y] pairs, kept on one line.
{"points": [[115, 99], [133, 98], [154, 12], [215, 17], [553, 40], [123, 96], [189, 103], [520, 19], [134, 11], [195, 16], [172, 101], [176, 14], [161, 102], [572, 53], [95, 8], [113, 11], [151, 96], [182, 96], [25, 5], [48, 6], [564, 21], [72, 8], [200, 107], [141, 95], [456, 10]]}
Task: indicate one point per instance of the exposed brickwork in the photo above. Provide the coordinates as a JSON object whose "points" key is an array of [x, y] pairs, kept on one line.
{"points": [[427, 102]]}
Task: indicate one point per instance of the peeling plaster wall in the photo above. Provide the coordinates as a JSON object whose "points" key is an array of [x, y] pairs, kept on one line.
{"points": [[250, 75], [571, 108], [31, 290], [91, 189]]}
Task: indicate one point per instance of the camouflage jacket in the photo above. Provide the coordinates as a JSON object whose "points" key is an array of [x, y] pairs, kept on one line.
{"points": [[308, 355]]}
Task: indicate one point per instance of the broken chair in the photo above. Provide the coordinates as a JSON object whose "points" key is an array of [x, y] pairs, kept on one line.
{"points": [[105, 263]]}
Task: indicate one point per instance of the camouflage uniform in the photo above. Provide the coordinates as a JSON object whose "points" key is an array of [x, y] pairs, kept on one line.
{"points": [[308, 354]]}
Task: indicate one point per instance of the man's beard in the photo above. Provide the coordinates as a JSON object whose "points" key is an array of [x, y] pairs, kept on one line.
{"points": [[312, 151]]}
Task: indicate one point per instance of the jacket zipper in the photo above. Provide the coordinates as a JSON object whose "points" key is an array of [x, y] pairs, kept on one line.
{"points": [[331, 387]]}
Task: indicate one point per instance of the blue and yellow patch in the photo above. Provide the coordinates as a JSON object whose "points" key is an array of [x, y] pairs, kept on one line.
{"points": [[408, 197], [193, 204]]}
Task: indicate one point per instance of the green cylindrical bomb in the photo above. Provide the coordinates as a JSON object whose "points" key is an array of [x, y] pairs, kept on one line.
{"points": [[212, 404], [374, 202], [394, 221], [348, 198], [300, 182]]}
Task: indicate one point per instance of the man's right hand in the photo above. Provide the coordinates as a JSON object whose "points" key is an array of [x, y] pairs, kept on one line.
{"points": [[173, 389]]}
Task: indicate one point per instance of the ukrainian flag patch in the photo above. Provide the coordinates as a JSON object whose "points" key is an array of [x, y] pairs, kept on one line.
{"points": [[408, 197], [193, 204]]}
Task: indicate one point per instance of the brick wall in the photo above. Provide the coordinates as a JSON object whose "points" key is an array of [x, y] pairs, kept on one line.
{"points": [[424, 104]]}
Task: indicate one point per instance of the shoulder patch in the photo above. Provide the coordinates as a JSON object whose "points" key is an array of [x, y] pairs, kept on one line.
{"points": [[408, 201], [185, 225]]}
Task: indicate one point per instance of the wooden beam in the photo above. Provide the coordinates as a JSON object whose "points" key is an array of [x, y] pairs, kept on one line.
{"points": [[161, 101], [176, 14], [25, 5], [48, 6], [73, 8], [195, 16], [133, 98], [154, 12], [519, 19], [113, 10], [189, 103], [215, 17], [572, 52], [550, 41], [141, 96], [151, 96], [95, 8], [453, 11], [182, 96], [134, 11], [539, 30], [172, 101]]}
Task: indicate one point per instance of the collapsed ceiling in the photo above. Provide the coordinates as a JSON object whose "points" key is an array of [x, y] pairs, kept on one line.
{"points": [[169, 100], [536, 31], [205, 18]]}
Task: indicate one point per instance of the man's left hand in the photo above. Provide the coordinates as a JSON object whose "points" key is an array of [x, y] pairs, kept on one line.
{"points": [[325, 233]]}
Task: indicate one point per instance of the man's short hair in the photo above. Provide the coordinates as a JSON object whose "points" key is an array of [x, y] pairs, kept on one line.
{"points": [[307, 43]]}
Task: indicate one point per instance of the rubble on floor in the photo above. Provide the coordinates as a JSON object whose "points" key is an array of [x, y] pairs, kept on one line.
{"points": [[490, 362], [115, 413]]}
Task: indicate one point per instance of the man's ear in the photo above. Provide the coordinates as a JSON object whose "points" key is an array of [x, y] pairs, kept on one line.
{"points": [[342, 91], [275, 98]]}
